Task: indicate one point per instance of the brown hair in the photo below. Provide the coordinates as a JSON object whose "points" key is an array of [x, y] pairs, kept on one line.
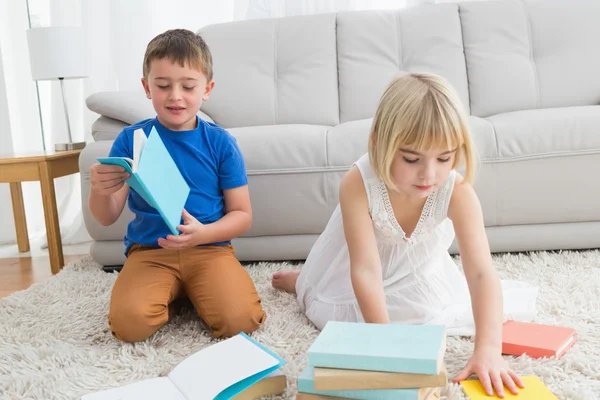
{"points": [[180, 46], [424, 112]]}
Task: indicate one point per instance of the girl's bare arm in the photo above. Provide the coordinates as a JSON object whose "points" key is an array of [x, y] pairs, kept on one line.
{"points": [[365, 264]]}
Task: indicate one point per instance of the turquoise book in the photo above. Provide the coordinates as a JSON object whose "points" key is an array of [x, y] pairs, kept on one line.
{"points": [[225, 370], [306, 384], [412, 349], [155, 177]]}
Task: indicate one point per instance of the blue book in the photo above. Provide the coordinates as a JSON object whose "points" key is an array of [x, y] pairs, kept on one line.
{"points": [[412, 349], [155, 177], [217, 372], [306, 385]]}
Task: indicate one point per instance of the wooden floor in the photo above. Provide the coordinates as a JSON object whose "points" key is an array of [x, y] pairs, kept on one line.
{"points": [[20, 272]]}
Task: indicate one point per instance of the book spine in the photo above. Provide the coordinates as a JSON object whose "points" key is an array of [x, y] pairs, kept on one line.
{"points": [[307, 386], [370, 363], [533, 352]]}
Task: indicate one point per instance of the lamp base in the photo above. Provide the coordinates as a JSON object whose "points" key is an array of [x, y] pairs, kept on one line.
{"points": [[69, 146]]}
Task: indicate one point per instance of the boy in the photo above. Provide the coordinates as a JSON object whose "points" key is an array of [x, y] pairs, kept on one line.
{"points": [[199, 263]]}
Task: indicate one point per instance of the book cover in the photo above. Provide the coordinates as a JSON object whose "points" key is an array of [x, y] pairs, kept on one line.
{"points": [[349, 379], [415, 349], [221, 371], [534, 390], [306, 385], [155, 177], [431, 394], [536, 340], [272, 384]]}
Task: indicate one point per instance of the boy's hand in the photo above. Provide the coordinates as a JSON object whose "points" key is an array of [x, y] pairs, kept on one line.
{"points": [[492, 370], [107, 179], [191, 235]]}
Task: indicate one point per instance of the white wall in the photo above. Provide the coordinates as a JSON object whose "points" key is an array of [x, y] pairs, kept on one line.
{"points": [[133, 23]]}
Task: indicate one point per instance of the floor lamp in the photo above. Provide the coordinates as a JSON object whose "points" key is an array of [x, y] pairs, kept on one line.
{"points": [[58, 53]]}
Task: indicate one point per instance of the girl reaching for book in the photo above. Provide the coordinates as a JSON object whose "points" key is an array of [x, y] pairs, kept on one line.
{"points": [[383, 256]]}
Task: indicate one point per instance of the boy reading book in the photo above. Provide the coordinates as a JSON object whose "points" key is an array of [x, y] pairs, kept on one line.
{"points": [[199, 263]]}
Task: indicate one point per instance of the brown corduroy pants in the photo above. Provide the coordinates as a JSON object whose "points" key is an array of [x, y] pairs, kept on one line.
{"points": [[215, 282]]}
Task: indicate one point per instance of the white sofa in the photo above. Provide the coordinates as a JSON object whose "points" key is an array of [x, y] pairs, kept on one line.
{"points": [[299, 94]]}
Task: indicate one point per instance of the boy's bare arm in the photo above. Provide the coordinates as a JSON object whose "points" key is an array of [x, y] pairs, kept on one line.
{"points": [[236, 221], [107, 209]]}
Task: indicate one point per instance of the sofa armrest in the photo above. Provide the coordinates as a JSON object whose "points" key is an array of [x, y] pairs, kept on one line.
{"points": [[88, 157], [126, 106]]}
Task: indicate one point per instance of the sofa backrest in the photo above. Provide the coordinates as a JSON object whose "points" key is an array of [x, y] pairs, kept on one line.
{"points": [[500, 56], [531, 54], [375, 46], [274, 71]]}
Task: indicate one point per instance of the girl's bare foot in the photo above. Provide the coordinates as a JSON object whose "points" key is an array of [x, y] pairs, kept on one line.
{"points": [[285, 280]]}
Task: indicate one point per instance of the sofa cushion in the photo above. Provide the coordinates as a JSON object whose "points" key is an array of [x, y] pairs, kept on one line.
{"points": [[375, 46], [531, 54], [288, 177], [547, 133], [274, 71], [126, 106], [347, 142], [544, 158]]}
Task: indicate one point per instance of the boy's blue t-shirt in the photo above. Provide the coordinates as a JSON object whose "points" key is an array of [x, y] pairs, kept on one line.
{"points": [[209, 160]]}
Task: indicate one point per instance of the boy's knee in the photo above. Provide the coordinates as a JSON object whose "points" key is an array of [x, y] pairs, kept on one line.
{"points": [[244, 319], [135, 324]]}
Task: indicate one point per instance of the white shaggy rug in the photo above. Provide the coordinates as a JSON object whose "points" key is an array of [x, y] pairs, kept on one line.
{"points": [[54, 341]]}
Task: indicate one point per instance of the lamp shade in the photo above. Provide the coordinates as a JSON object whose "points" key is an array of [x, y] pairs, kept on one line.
{"points": [[57, 52]]}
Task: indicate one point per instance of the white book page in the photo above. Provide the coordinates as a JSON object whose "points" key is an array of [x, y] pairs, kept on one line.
{"points": [[139, 141], [150, 389], [564, 346], [213, 369]]}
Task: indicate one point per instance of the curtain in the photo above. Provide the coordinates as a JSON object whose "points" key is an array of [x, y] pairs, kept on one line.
{"points": [[117, 32]]}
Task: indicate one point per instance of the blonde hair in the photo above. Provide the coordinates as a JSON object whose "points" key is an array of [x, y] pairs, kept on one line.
{"points": [[180, 46], [424, 112]]}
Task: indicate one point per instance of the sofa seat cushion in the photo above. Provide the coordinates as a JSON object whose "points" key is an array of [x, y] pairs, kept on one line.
{"points": [[289, 178], [543, 157], [347, 142], [547, 132]]}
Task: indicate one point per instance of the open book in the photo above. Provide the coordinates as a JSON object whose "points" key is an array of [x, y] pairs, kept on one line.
{"points": [[222, 371], [155, 177]]}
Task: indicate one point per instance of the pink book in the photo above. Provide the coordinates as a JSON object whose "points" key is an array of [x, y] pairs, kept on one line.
{"points": [[536, 340]]}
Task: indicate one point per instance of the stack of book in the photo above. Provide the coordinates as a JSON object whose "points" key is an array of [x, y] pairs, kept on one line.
{"points": [[375, 362]]}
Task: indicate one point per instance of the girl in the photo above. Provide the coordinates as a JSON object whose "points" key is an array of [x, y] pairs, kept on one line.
{"points": [[383, 256]]}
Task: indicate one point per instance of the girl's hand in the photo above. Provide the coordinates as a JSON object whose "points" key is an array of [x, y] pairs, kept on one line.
{"points": [[192, 232], [492, 370]]}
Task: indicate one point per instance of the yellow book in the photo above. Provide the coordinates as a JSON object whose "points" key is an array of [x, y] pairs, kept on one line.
{"points": [[534, 390], [349, 379]]}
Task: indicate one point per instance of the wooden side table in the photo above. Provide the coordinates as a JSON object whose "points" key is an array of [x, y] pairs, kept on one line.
{"points": [[42, 167]]}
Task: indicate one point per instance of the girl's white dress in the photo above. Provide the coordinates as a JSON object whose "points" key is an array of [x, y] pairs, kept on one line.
{"points": [[422, 284]]}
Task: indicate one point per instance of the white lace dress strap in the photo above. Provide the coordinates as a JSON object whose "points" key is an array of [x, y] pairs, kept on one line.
{"points": [[441, 202], [368, 176]]}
